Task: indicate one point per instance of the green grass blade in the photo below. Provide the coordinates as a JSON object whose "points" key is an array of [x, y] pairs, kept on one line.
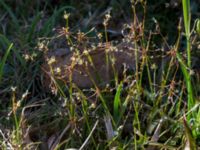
{"points": [[18, 56], [2, 63], [186, 14], [117, 103], [32, 29], [7, 8], [187, 80]]}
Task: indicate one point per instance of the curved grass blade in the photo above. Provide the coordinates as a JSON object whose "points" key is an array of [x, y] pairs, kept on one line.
{"points": [[33, 26], [2, 63], [117, 103], [14, 18], [18, 56]]}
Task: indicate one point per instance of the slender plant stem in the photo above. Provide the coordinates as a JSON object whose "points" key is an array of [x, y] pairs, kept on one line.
{"points": [[186, 14]]}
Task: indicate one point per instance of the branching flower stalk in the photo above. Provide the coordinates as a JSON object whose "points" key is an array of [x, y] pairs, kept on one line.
{"points": [[105, 24]]}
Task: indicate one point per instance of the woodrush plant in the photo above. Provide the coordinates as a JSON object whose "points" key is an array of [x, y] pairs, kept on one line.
{"points": [[138, 105]]}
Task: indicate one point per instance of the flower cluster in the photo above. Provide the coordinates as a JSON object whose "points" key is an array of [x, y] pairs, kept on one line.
{"points": [[106, 19]]}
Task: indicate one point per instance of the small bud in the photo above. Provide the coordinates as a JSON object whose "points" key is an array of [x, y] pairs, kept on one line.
{"points": [[13, 88], [66, 15]]}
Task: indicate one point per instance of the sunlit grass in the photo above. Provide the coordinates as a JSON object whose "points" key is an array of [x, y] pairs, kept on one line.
{"points": [[151, 105]]}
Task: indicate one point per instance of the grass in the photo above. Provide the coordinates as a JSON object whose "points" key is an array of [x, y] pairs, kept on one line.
{"points": [[153, 106], [186, 14], [4, 60]]}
